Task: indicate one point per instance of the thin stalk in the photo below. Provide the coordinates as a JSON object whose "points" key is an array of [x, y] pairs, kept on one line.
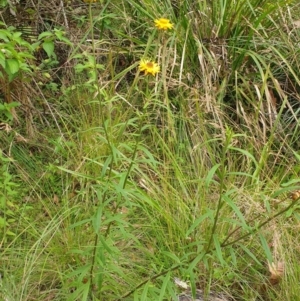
{"points": [[221, 188], [96, 241], [137, 141]]}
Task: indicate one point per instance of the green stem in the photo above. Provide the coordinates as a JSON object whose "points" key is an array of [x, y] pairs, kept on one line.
{"points": [[221, 187], [102, 118], [137, 141]]}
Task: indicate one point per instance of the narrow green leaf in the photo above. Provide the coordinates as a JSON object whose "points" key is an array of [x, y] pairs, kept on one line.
{"points": [[297, 156], [193, 264], [80, 293], [210, 174], [82, 222], [293, 181], [145, 291], [286, 189], [250, 254], [237, 211], [105, 245], [246, 153], [164, 287], [218, 250], [266, 247], [233, 256], [10, 233], [192, 282], [97, 220], [198, 221], [2, 222], [172, 256]]}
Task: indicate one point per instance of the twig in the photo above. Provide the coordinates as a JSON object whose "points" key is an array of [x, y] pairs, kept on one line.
{"points": [[64, 14]]}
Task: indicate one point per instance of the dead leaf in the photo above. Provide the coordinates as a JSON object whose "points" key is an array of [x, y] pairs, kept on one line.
{"points": [[180, 283], [55, 199], [297, 24], [295, 195], [276, 270]]}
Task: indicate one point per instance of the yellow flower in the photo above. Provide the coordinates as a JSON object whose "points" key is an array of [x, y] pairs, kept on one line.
{"points": [[163, 24], [149, 67], [89, 1]]}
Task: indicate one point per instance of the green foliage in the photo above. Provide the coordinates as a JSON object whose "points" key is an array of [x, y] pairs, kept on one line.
{"points": [[137, 179], [5, 111], [8, 197], [87, 63], [15, 52], [3, 3], [47, 40]]}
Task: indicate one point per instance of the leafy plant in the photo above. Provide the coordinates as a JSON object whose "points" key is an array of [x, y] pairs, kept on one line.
{"points": [[14, 54], [9, 208], [47, 40], [159, 156], [6, 111]]}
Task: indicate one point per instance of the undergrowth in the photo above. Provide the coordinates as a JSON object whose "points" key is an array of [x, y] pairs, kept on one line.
{"points": [[113, 182]]}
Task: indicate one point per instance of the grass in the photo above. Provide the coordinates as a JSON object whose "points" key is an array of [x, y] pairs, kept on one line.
{"points": [[121, 182]]}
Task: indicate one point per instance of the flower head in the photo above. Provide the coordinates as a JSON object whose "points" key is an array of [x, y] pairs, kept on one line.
{"points": [[163, 24], [149, 67]]}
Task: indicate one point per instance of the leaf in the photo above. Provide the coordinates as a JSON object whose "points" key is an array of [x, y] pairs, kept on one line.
{"points": [[48, 46], [80, 293], [295, 195], [193, 283], [297, 155], [16, 35], [45, 34], [210, 174], [293, 181], [181, 284], [164, 286], [64, 39], [251, 255], [97, 220], [2, 222], [233, 257], [237, 211], [246, 153], [12, 66], [266, 247], [286, 189], [14, 104], [145, 291], [2, 59], [172, 256], [276, 270], [198, 221], [297, 24], [3, 35], [218, 250], [196, 260], [82, 222], [10, 233], [105, 245]]}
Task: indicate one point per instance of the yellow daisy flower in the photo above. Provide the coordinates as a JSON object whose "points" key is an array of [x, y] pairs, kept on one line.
{"points": [[163, 24], [89, 1], [149, 67]]}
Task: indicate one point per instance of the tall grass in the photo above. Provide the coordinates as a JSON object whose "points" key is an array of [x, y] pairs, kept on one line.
{"points": [[140, 179]]}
